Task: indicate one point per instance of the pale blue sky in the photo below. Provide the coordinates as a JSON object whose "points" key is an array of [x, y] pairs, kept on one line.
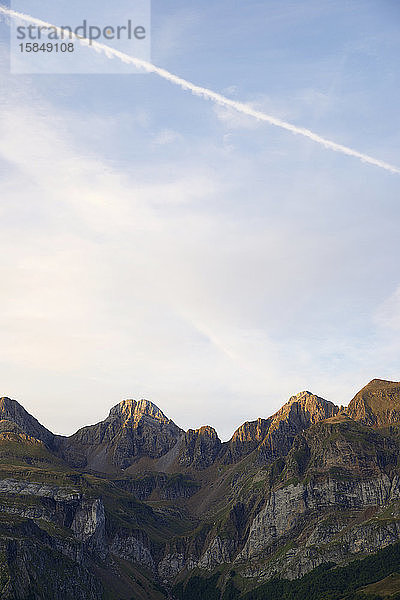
{"points": [[154, 245]]}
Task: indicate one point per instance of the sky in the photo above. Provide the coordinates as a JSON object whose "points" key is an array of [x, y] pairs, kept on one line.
{"points": [[155, 245]]}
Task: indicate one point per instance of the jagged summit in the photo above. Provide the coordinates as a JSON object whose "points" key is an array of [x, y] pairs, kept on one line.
{"points": [[138, 429], [133, 410], [306, 396], [303, 394], [134, 429], [200, 447], [313, 408], [274, 436]]}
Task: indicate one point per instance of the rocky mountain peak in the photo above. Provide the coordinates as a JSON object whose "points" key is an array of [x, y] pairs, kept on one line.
{"points": [[134, 429], [306, 407], [308, 399], [134, 410], [377, 404], [200, 447], [300, 395], [299, 413], [208, 431], [11, 411], [251, 431], [274, 436]]}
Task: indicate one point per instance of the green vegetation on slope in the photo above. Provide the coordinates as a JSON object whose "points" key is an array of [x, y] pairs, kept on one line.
{"points": [[323, 583], [385, 588]]}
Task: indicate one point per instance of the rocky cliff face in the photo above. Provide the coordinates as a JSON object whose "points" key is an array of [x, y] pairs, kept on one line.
{"points": [[31, 566], [199, 448], [47, 536], [289, 506], [65, 507], [246, 439], [335, 495]]}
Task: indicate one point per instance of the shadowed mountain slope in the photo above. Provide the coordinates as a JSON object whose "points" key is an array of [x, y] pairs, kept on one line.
{"points": [[13, 417]]}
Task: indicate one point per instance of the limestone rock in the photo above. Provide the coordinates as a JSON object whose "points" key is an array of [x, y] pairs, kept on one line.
{"points": [[133, 546]]}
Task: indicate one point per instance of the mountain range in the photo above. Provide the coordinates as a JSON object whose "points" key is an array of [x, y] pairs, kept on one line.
{"points": [[302, 504]]}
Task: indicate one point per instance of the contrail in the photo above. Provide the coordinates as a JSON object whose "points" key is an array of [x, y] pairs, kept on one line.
{"points": [[206, 93]]}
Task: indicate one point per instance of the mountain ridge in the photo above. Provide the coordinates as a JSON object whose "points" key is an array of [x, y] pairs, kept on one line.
{"points": [[130, 421], [133, 409], [134, 506]]}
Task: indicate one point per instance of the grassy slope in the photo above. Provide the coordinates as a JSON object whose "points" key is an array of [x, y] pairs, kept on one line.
{"points": [[371, 575], [386, 588]]}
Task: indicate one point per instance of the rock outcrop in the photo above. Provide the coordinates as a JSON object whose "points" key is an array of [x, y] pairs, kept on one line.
{"points": [[199, 448], [298, 414], [246, 439]]}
